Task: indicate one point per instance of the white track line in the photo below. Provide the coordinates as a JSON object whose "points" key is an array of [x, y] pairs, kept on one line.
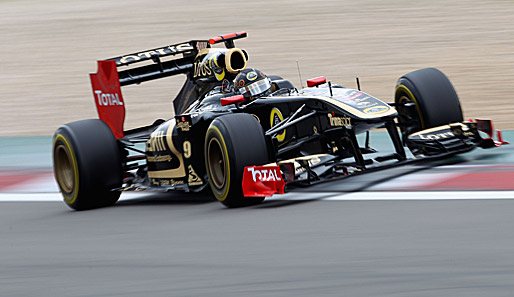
{"points": [[424, 195], [412, 181], [49, 197], [356, 196]]}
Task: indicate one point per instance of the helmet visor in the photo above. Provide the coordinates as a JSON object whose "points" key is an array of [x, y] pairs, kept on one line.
{"points": [[257, 87]]}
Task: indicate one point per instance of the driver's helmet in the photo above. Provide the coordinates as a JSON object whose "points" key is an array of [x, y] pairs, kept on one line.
{"points": [[252, 84]]}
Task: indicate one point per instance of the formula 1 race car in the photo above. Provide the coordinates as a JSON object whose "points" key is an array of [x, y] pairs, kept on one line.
{"points": [[246, 150]]}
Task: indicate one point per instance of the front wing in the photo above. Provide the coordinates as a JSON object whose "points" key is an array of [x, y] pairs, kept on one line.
{"points": [[430, 144]]}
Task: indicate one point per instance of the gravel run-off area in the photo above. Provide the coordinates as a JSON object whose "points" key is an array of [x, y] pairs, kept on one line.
{"points": [[49, 47]]}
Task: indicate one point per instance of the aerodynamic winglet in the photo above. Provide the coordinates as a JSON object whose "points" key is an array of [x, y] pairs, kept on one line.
{"points": [[262, 181], [107, 95]]}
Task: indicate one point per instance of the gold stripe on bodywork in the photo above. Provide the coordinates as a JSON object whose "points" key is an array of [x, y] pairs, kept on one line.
{"points": [[431, 130], [171, 173], [206, 51], [355, 111]]}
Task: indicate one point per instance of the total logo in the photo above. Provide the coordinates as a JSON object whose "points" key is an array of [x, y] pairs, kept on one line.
{"points": [[264, 174], [107, 99]]}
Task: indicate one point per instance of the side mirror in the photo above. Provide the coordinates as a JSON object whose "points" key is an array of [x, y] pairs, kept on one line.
{"points": [[314, 82], [232, 100]]}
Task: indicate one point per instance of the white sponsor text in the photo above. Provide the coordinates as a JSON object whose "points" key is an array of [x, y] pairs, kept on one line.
{"points": [[265, 174], [106, 99]]}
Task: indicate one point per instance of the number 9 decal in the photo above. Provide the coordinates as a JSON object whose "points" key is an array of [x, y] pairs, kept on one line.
{"points": [[187, 149]]}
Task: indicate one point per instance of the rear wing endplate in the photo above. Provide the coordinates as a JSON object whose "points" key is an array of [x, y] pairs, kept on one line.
{"points": [[108, 100]]}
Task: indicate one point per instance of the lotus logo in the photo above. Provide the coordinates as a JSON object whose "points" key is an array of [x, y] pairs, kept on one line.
{"points": [[436, 136], [275, 118], [251, 75]]}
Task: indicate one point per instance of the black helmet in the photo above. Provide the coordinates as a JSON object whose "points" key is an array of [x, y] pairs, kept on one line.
{"points": [[252, 84]]}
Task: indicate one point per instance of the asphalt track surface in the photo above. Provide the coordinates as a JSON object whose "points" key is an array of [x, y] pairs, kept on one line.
{"points": [[304, 244]]}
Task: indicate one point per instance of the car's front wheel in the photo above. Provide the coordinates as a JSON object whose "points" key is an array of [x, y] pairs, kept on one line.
{"points": [[425, 99], [232, 142]]}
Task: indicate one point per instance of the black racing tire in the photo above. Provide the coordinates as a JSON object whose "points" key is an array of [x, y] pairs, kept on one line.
{"points": [[87, 164], [435, 98], [232, 142]]}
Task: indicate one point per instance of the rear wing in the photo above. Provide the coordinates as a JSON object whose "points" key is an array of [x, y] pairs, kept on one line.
{"points": [[159, 68], [160, 62]]}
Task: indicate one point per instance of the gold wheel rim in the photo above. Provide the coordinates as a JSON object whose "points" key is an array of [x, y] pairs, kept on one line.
{"points": [[216, 161], [406, 93], [64, 170], [404, 98]]}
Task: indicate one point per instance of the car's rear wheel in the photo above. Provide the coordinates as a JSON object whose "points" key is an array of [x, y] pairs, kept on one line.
{"points": [[87, 164], [435, 101], [232, 142]]}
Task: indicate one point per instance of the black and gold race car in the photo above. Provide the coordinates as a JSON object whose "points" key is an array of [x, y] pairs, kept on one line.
{"points": [[246, 150]]}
